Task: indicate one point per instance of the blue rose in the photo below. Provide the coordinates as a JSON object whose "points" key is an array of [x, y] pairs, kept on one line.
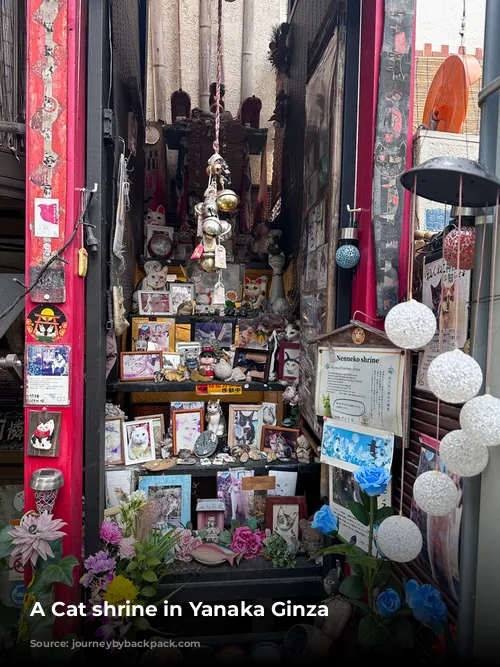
{"points": [[372, 480], [325, 520], [427, 605], [388, 602]]}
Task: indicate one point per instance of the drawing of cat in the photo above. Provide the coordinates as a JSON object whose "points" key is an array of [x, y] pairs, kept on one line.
{"points": [[237, 507], [139, 443], [286, 527]]}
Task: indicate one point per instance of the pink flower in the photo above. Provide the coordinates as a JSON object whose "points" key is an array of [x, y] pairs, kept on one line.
{"points": [[126, 548], [32, 537], [111, 532], [245, 540], [186, 543]]}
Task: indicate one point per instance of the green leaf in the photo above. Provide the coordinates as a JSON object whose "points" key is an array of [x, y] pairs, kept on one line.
{"points": [[370, 633], [189, 525], [141, 623], [365, 499], [9, 616], [61, 573], [153, 562], [56, 546], [252, 523], [234, 525], [225, 537], [365, 561], [383, 513], [353, 587], [141, 558], [132, 566], [345, 549], [384, 574], [5, 542], [150, 576], [361, 605], [38, 623], [360, 512], [148, 591], [402, 629]]}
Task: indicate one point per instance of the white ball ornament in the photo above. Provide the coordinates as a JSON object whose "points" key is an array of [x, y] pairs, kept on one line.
{"points": [[461, 455], [410, 325], [480, 419], [435, 493], [454, 377], [399, 539]]}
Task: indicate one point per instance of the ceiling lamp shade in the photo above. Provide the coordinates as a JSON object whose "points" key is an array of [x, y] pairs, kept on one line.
{"points": [[435, 493], [463, 239], [461, 455], [480, 419], [454, 377], [438, 179], [399, 539], [410, 325]]}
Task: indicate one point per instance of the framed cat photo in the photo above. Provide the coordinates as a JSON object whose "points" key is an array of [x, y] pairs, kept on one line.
{"points": [[179, 293], [171, 494], [153, 303], [43, 433], [139, 441], [288, 361], [245, 426], [254, 363], [187, 426], [153, 334], [282, 441], [283, 514], [113, 441], [138, 366], [207, 333]]}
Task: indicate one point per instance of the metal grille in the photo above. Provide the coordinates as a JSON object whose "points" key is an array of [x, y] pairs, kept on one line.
{"points": [[12, 68], [127, 96]]}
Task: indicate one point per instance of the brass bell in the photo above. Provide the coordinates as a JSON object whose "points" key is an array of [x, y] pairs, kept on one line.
{"points": [[212, 226], [210, 208], [207, 264], [227, 200]]}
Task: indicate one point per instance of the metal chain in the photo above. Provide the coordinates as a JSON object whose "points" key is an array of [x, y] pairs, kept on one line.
{"points": [[218, 80]]}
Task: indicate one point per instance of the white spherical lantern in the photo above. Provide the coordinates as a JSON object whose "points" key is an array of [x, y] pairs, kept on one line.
{"points": [[410, 325], [480, 419], [435, 493], [461, 455], [399, 539], [454, 377]]}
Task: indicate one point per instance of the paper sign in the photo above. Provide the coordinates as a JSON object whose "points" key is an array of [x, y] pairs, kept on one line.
{"points": [[218, 389], [261, 483], [47, 374], [220, 257], [46, 218], [348, 446]]}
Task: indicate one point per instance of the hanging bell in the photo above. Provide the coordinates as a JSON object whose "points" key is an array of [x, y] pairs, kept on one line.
{"points": [[227, 231], [212, 226], [209, 208], [227, 200], [207, 262]]}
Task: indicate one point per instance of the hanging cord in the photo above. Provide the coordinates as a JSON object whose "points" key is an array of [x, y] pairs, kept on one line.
{"points": [[460, 193], [479, 282], [403, 444], [492, 294], [412, 240], [218, 80], [440, 347], [179, 41]]}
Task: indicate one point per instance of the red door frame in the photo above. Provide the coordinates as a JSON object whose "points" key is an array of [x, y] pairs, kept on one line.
{"points": [[56, 125]]}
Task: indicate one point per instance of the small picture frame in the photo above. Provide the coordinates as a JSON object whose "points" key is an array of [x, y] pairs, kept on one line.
{"points": [[153, 334], [172, 495], [44, 429], [153, 303], [179, 293], [283, 514], [254, 363], [207, 333], [187, 426], [245, 426], [269, 414], [139, 441], [170, 361], [288, 361], [274, 438], [187, 345], [113, 441], [138, 366]]}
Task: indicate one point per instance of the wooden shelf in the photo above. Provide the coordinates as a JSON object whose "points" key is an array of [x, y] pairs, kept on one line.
{"points": [[197, 470], [170, 387], [249, 580]]}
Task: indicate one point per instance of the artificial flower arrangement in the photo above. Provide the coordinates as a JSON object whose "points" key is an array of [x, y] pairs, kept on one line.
{"points": [[244, 538], [387, 616], [36, 542], [127, 569]]}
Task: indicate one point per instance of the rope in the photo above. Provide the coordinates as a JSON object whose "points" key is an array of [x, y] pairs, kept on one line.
{"points": [[218, 80], [460, 195], [179, 41], [492, 292]]}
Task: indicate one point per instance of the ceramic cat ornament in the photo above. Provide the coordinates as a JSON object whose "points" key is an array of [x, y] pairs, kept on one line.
{"points": [[255, 293]]}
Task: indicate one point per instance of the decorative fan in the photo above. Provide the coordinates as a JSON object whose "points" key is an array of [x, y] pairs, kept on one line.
{"points": [[448, 97]]}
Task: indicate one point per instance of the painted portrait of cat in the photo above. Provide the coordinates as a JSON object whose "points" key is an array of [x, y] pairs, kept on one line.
{"points": [[287, 527], [445, 311], [139, 445]]}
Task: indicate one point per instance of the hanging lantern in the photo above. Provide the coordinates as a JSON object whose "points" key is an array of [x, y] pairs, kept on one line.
{"points": [[227, 200], [399, 539], [347, 256], [435, 493], [410, 325], [454, 377], [46, 483], [480, 419], [461, 455], [465, 239]]}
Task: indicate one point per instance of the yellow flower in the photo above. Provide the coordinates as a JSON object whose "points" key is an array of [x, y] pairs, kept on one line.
{"points": [[120, 591]]}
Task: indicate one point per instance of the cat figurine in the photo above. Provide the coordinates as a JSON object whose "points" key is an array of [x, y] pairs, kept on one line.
{"points": [[139, 443], [155, 217], [42, 437], [215, 419], [284, 527], [254, 293]]}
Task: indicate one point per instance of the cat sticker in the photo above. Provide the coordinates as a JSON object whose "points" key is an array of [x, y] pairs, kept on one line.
{"points": [[43, 433]]}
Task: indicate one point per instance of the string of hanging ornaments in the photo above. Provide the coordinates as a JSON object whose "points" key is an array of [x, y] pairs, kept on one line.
{"points": [[218, 197], [453, 376]]}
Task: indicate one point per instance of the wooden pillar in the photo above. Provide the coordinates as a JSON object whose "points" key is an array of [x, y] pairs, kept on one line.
{"points": [[55, 128]]}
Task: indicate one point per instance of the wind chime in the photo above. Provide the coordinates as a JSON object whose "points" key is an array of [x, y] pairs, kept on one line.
{"points": [[212, 231]]}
